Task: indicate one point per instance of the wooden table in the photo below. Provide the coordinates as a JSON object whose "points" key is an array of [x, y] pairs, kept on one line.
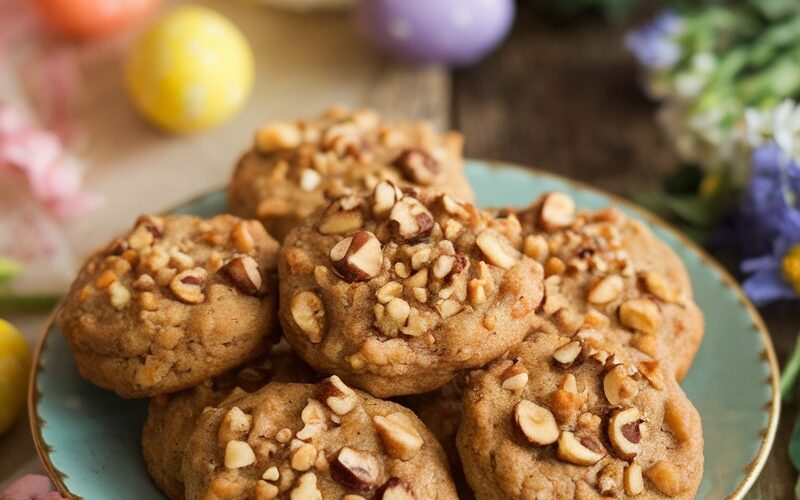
{"points": [[560, 97]]}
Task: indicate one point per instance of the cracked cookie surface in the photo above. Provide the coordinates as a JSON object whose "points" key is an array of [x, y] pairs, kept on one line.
{"points": [[295, 166], [600, 421], [300, 441], [171, 418], [398, 290], [175, 301]]}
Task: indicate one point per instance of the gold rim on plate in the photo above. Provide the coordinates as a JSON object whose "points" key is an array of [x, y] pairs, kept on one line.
{"points": [[751, 471]]}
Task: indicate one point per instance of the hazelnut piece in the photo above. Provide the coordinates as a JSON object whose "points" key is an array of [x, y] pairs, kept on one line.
{"points": [[356, 469], [417, 166], [238, 454], [537, 424], [640, 314], [358, 257], [557, 211], [339, 398], [579, 451], [410, 221], [666, 477], [632, 480], [497, 250], [398, 434], [309, 315], [188, 285], [606, 290], [243, 272], [618, 386], [395, 489], [567, 353], [235, 425], [515, 377], [624, 432]]}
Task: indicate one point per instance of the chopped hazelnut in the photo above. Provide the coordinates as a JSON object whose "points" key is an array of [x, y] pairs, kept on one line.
{"points": [[536, 423], [557, 211], [640, 314], [606, 289], [624, 432], [188, 285], [579, 451], [234, 426], [358, 257], [632, 479], [355, 469], [398, 434], [244, 273], [309, 315], [496, 249], [238, 454]]}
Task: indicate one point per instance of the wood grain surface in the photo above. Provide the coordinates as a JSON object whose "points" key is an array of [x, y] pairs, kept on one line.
{"points": [[564, 97]]}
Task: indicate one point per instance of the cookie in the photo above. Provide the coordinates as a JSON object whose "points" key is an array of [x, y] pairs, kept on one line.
{"points": [[175, 301], [397, 290], [294, 166], [602, 266], [605, 423], [318, 441], [171, 418]]}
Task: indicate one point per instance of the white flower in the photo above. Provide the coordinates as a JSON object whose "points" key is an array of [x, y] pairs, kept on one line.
{"points": [[780, 124]]}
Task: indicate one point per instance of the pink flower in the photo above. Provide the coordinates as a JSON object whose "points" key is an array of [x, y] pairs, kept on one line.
{"points": [[31, 487], [52, 177]]}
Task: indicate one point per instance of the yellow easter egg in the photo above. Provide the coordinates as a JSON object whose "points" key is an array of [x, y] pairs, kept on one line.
{"points": [[191, 70], [15, 362]]}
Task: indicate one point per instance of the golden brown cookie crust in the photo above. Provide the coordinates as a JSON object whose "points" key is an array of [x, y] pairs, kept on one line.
{"points": [[314, 441], [175, 301], [604, 424], [397, 291], [171, 418], [294, 167]]}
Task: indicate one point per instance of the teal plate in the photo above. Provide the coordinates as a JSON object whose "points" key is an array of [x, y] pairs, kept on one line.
{"points": [[88, 439]]}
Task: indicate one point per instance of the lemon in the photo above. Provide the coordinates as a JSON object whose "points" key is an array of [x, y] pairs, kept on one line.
{"points": [[191, 70], [15, 361]]}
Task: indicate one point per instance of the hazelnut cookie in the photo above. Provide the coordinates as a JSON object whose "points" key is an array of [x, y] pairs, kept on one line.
{"points": [[175, 301], [606, 422], [295, 166], [397, 290], [171, 418], [299, 441], [603, 266]]}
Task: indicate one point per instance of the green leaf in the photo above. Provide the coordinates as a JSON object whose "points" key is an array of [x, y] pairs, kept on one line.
{"points": [[9, 268], [34, 302], [794, 445], [790, 372]]}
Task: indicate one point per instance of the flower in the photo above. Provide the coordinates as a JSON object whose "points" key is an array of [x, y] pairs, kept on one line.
{"points": [[776, 276], [654, 44], [781, 124], [37, 157], [31, 487]]}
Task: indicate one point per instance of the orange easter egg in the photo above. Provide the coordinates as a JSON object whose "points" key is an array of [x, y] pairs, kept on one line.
{"points": [[92, 18]]}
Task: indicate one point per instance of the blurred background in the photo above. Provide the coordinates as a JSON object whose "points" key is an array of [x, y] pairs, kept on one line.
{"points": [[686, 107]]}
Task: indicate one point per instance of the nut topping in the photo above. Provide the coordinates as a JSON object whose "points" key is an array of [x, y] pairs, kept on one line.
{"points": [[579, 451], [410, 221], [188, 285], [384, 196], [496, 249], [243, 272], [277, 136], [341, 222], [396, 489], [606, 290], [304, 457], [398, 434], [515, 377], [632, 480], [658, 285], [640, 314], [618, 386], [238, 454], [624, 432], [309, 315], [266, 491], [666, 477], [309, 179], [675, 422], [271, 474], [339, 398], [417, 166], [306, 488], [567, 353], [358, 257], [356, 469], [234, 426], [118, 295], [557, 211], [536, 423]]}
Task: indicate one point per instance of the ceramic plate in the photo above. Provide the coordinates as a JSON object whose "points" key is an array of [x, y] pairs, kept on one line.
{"points": [[88, 438]]}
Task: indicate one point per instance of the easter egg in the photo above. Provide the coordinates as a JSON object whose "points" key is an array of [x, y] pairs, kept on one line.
{"points": [[455, 32], [191, 70], [15, 362], [92, 18]]}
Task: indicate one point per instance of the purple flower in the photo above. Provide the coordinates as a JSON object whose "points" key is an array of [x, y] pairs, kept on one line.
{"points": [[771, 197], [776, 276], [654, 44]]}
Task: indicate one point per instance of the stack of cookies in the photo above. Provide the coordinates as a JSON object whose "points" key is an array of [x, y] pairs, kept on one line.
{"points": [[359, 329]]}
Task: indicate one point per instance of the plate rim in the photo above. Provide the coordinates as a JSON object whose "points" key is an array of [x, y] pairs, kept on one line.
{"points": [[752, 470]]}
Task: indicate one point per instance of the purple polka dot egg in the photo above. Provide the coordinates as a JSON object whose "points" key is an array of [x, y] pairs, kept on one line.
{"points": [[454, 32]]}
